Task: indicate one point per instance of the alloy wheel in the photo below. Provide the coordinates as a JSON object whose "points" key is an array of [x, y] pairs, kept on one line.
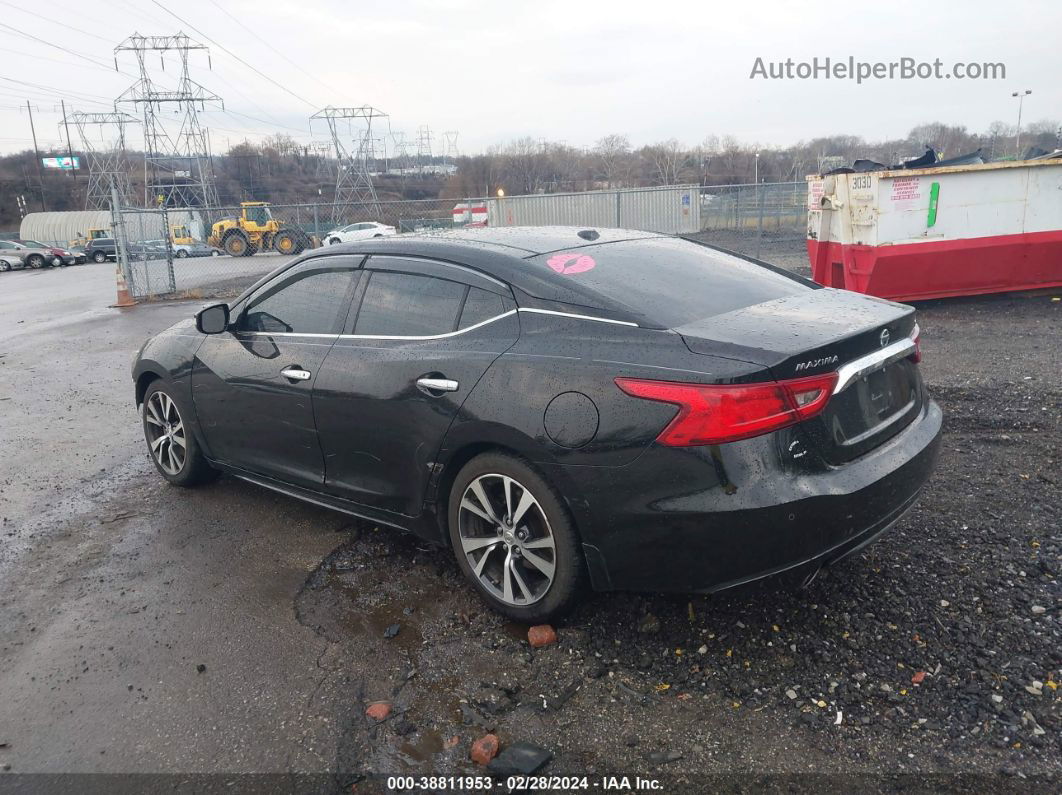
{"points": [[166, 433], [506, 539]]}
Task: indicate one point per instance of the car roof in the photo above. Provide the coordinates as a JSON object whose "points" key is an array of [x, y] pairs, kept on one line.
{"points": [[534, 240], [503, 253]]}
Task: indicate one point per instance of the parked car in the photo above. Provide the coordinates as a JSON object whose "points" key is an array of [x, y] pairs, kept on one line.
{"points": [[558, 406], [67, 256], [360, 231], [101, 249], [197, 249], [10, 263], [183, 250], [104, 248], [29, 257]]}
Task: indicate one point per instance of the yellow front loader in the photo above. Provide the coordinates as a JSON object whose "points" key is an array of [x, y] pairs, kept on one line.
{"points": [[257, 230]]}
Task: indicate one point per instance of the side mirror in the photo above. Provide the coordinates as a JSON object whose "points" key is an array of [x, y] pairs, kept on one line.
{"points": [[212, 319]]}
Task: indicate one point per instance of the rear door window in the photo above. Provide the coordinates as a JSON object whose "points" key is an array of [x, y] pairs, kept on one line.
{"points": [[668, 280], [409, 305], [480, 305]]}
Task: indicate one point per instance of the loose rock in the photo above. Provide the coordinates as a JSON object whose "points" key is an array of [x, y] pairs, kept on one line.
{"points": [[541, 635], [520, 759], [379, 710], [484, 749]]}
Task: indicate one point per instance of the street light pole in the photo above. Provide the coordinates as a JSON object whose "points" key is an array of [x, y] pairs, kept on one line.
{"points": [[1021, 100], [757, 169]]}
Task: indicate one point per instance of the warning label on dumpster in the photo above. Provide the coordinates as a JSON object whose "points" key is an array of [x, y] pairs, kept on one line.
{"points": [[905, 189], [814, 194]]}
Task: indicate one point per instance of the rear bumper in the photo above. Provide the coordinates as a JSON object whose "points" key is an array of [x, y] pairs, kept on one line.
{"points": [[705, 519]]}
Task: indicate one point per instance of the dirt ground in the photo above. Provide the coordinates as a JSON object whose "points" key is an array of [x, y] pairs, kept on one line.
{"points": [[930, 661]]}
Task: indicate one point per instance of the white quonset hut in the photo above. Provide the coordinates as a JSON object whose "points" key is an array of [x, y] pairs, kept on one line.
{"points": [[62, 228]]}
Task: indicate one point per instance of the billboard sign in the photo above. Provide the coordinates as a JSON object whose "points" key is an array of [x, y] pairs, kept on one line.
{"points": [[64, 163]]}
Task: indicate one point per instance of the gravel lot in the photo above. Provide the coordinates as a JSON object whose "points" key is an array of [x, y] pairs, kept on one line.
{"points": [[930, 661], [932, 654]]}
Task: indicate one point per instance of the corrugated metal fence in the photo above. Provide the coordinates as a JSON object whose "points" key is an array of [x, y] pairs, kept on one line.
{"points": [[672, 209]]}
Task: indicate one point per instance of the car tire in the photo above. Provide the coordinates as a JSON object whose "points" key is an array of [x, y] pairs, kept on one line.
{"points": [[497, 556], [99, 256], [35, 261], [171, 444], [180, 253], [4, 266], [333, 240]]}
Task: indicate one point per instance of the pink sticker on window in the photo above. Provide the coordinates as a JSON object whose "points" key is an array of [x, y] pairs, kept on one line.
{"points": [[571, 263]]}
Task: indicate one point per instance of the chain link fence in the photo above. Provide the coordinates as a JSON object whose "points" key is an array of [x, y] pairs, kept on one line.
{"points": [[219, 251]]}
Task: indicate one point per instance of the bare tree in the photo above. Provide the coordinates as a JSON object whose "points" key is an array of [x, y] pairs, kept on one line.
{"points": [[612, 152], [565, 164], [525, 164], [666, 160]]}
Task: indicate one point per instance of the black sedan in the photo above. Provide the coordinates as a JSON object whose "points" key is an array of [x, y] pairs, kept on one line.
{"points": [[560, 406]]}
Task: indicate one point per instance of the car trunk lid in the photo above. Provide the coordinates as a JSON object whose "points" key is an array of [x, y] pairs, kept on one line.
{"points": [[866, 340]]}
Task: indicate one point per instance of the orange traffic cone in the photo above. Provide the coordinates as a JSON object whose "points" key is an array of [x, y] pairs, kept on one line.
{"points": [[125, 298]]}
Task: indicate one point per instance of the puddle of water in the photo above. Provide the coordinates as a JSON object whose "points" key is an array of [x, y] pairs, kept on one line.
{"points": [[421, 748]]}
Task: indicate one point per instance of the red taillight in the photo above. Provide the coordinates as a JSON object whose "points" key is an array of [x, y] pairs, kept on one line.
{"points": [[717, 413], [916, 335]]}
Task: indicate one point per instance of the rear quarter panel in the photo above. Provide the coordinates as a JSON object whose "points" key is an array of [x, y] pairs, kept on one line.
{"points": [[558, 356]]}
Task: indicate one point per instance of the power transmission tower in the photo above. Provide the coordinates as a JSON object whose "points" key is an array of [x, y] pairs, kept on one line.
{"points": [[176, 167], [103, 142], [400, 150], [353, 180], [371, 148], [423, 147], [450, 152], [324, 167]]}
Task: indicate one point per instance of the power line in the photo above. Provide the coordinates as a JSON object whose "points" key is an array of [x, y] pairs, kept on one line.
{"points": [[39, 57], [134, 8], [274, 49], [264, 121], [92, 61], [59, 91], [234, 55], [251, 102], [53, 21]]}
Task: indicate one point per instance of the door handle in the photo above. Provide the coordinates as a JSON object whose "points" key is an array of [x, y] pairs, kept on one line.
{"points": [[296, 373], [437, 384]]}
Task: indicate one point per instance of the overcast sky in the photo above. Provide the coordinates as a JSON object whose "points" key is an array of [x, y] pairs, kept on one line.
{"points": [[566, 70]]}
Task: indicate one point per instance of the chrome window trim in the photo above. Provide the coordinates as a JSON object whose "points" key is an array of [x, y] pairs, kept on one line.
{"points": [[848, 373], [448, 334], [428, 336], [578, 317]]}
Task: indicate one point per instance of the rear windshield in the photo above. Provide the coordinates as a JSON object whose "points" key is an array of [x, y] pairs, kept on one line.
{"points": [[669, 280]]}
